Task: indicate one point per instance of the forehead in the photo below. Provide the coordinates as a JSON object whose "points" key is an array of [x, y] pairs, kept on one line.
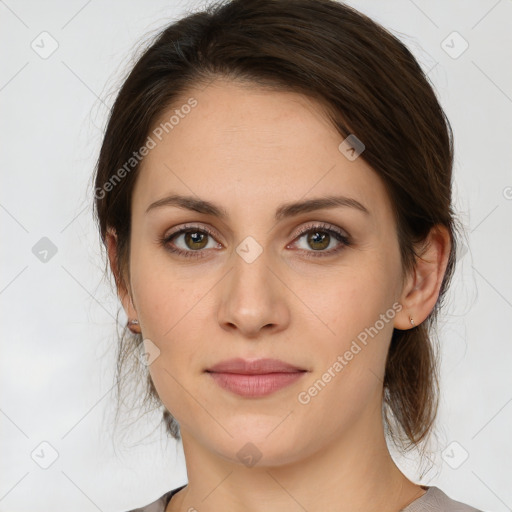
{"points": [[258, 145]]}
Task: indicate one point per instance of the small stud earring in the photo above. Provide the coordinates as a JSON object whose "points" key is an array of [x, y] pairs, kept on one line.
{"points": [[412, 321], [132, 325]]}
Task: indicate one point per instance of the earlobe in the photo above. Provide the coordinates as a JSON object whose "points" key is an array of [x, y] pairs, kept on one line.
{"points": [[422, 287]]}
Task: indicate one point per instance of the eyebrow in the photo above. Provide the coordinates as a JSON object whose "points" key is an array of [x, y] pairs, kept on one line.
{"points": [[284, 211]]}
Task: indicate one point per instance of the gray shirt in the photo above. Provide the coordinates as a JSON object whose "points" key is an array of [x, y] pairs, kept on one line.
{"points": [[434, 500]]}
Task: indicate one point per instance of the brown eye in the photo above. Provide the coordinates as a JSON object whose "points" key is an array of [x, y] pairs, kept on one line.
{"points": [[190, 241], [318, 238], [195, 239]]}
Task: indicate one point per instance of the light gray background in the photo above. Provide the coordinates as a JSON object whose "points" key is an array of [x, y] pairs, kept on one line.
{"points": [[58, 316]]}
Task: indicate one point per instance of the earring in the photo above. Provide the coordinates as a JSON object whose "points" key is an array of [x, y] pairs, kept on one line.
{"points": [[132, 325], [412, 321]]}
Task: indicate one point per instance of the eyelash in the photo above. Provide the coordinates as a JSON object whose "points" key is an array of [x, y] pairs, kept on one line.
{"points": [[326, 228]]}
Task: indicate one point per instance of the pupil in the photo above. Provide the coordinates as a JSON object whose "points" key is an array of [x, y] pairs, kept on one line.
{"points": [[313, 239], [193, 237]]}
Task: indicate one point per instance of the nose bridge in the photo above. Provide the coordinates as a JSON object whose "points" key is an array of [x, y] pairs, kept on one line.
{"points": [[252, 298], [251, 272]]}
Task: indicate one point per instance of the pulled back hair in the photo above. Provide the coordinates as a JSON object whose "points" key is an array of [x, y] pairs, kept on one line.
{"points": [[370, 85]]}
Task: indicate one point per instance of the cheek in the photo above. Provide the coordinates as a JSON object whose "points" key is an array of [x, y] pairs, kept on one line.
{"points": [[170, 312], [358, 315], [353, 301], [173, 318], [164, 299], [173, 313], [351, 356]]}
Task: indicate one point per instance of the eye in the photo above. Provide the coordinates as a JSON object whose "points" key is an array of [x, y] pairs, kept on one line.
{"points": [[189, 241], [320, 237]]}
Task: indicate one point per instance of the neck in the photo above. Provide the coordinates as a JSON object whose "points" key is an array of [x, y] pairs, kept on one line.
{"points": [[354, 472]]}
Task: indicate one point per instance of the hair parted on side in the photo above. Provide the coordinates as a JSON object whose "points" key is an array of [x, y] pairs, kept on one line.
{"points": [[369, 84]]}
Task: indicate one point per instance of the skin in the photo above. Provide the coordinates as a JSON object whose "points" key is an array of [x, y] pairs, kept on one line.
{"points": [[250, 150]]}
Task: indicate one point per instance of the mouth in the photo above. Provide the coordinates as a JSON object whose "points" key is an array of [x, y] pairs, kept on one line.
{"points": [[255, 378]]}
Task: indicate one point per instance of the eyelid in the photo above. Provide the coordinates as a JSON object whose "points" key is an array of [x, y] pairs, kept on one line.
{"points": [[190, 227], [320, 226], [301, 231]]}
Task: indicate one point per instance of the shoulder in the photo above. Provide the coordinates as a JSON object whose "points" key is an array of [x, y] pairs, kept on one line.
{"points": [[435, 500], [159, 504]]}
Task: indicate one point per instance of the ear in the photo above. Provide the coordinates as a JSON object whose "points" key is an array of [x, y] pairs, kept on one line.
{"points": [[123, 289], [422, 286]]}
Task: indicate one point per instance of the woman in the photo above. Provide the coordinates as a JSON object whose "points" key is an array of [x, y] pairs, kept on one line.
{"points": [[274, 192]]}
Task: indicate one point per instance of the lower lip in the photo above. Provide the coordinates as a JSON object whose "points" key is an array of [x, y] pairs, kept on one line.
{"points": [[255, 385]]}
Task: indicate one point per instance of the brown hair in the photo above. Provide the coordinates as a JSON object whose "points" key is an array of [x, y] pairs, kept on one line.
{"points": [[371, 86]]}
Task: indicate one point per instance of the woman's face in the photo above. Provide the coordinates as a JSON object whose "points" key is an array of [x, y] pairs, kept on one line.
{"points": [[254, 287]]}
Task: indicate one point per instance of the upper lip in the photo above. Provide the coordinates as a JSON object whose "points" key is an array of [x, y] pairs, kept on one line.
{"points": [[253, 367]]}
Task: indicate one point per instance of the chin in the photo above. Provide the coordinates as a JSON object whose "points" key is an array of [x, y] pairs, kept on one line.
{"points": [[260, 444]]}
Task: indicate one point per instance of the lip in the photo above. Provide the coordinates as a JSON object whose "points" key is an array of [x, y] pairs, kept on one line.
{"points": [[256, 378], [253, 367]]}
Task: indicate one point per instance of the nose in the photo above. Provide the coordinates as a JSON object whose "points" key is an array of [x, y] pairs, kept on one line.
{"points": [[253, 299]]}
